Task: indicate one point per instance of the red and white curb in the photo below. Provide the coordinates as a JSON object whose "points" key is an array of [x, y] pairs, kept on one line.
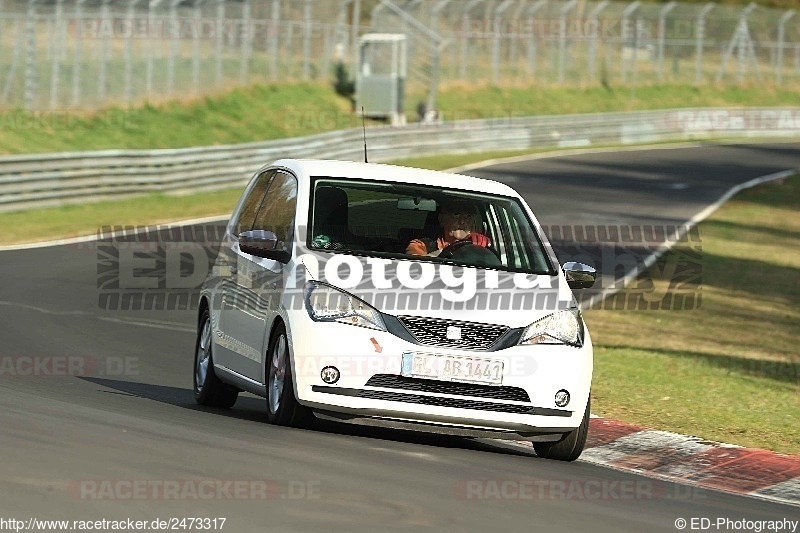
{"points": [[674, 457]]}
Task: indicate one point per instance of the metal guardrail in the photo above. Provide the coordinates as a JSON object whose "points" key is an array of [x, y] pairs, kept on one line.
{"points": [[28, 181]]}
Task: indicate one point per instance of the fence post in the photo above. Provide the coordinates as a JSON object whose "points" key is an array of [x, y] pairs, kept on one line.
{"points": [[436, 51], [76, 60], [31, 88], [496, 35], [594, 15], [247, 42], [744, 41], [625, 20], [781, 37], [662, 30], [354, 26], [307, 29], [129, 52], [532, 43], [152, 49], [196, 20], [104, 48], [55, 73], [464, 35], [744, 45], [700, 24], [173, 47], [19, 43], [2, 28], [797, 59], [562, 38], [516, 38], [273, 38], [220, 39]]}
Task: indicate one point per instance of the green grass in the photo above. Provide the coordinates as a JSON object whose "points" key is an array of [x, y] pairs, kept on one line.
{"points": [[85, 219], [729, 371], [462, 101], [242, 115], [263, 112]]}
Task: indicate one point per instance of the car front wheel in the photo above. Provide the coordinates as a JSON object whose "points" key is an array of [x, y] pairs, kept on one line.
{"points": [[208, 388], [571, 444], [283, 408]]}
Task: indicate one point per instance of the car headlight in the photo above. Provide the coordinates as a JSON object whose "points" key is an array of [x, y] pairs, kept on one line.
{"points": [[325, 303], [562, 327]]}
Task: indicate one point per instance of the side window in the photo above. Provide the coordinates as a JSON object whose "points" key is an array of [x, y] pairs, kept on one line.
{"points": [[276, 212], [247, 214]]}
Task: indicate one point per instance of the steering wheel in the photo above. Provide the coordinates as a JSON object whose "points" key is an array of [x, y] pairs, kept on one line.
{"points": [[448, 251], [471, 253]]}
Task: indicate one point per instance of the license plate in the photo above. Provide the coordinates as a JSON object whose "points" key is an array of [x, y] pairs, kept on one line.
{"points": [[452, 368]]}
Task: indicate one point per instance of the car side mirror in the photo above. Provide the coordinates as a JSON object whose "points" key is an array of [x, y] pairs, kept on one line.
{"points": [[579, 276], [261, 243]]}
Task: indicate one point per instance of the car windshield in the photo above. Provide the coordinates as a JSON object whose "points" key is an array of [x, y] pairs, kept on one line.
{"points": [[393, 220]]}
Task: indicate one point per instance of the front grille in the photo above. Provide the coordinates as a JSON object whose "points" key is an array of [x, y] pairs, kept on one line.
{"points": [[391, 381], [445, 402], [433, 331]]}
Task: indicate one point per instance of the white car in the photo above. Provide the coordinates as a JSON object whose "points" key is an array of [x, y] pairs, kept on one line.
{"points": [[392, 296]]}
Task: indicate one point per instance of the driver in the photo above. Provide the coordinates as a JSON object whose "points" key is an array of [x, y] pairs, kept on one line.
{"points": [[460, 222]]}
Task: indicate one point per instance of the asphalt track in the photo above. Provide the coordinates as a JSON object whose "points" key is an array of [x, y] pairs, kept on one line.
{"points": [[61, 434]]}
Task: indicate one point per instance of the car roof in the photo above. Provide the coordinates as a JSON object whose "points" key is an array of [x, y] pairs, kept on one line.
{"points": [[305, 168]]}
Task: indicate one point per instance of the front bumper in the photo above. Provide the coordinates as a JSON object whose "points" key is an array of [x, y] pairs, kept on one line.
{"points": [[360, 353]]}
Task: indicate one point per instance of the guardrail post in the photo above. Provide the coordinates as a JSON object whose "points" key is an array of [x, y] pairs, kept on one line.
{"points": [[781, 38], [700, 25]]}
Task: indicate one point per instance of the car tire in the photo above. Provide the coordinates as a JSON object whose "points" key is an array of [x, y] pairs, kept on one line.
{"points": [[571, 444], [283, 409], [208, 388]]}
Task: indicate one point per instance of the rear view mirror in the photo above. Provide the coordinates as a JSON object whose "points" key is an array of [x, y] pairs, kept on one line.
{"points": [[261, 243], [579, 276], [416, 204]]}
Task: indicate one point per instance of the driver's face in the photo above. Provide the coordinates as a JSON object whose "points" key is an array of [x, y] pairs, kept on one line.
{"points": [[456, 223]]}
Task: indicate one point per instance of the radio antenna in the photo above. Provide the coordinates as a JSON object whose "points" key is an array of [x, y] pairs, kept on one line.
{"points": [[364, 127]]}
